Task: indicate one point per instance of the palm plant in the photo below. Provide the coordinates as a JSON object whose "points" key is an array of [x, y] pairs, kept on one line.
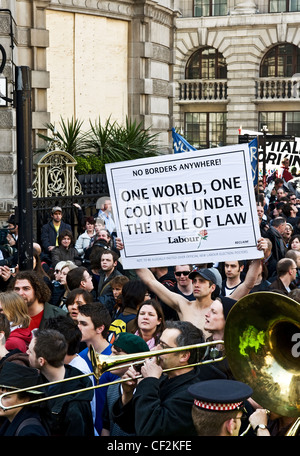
{"points": [[71, 137], [113, 143], [107, 143], [98, 139], [133, 142]]}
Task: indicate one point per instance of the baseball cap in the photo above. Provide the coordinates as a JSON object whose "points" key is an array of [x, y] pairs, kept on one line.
{"points": [[206, 273], [56, 209]]}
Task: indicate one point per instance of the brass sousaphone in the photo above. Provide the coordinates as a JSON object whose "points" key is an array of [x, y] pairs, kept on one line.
{"points": [[262, 343]]}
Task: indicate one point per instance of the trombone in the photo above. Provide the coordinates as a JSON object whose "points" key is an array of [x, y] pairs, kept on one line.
{"points": [[108, 363]]}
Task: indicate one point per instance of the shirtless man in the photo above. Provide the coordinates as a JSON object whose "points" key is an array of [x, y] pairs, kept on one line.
{"points": [[204, 284]]}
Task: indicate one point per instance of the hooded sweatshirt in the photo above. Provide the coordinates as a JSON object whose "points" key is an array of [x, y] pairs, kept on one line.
{"points": [[19, 338]]}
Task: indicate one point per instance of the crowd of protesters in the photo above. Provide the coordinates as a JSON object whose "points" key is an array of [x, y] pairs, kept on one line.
{"points": [[78, 296]]}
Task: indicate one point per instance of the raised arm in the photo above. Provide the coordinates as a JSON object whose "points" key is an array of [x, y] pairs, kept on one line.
{"points": [[171, 299], [252, 274]]}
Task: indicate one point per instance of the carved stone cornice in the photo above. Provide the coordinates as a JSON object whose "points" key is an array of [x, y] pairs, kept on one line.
{"points": [[123, 9], [113, 8]]}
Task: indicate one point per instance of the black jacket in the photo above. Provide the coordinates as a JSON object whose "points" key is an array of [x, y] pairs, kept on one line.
{"points": [[59, 253], [50, 311], [70, 415], [278, 245], [160, 407], [26, 423]]}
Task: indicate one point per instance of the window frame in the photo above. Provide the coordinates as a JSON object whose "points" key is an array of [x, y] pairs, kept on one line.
{"points": [[287, 9], [209, 128], [211, 5], [219, 64], [295, 54], [284, 122]]}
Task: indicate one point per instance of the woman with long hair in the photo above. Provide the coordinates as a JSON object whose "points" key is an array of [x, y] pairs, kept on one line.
{"points": [[68, 266], [150, 322], [16, 311]]}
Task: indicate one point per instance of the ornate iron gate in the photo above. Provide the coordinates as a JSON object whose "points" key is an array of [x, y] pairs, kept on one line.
{"points": [[56, 184]]}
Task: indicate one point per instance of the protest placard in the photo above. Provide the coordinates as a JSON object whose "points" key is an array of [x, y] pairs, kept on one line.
{"points": [[189, 208]]}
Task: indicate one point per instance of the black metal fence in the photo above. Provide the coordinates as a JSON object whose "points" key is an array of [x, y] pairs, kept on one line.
{"points": [[93, 187]]}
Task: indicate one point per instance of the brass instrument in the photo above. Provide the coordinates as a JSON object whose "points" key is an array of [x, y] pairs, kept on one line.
{"points": [[108, 363], [260, 346]]}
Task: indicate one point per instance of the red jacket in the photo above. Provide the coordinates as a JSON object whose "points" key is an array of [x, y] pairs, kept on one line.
{"points": [[285, 174], [19, 338]]}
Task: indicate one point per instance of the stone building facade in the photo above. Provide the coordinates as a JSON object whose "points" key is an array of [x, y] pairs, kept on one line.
{"points": [[205, 67], [237, 65], [89, 59]]}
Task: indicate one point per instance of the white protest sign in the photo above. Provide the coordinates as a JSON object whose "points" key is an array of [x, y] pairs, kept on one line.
{"points": [[188, 208]]}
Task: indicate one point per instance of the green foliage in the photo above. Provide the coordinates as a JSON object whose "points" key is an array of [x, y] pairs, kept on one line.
{"points": [[83, 165], [71, 137], [97, 164], [103, 143]]}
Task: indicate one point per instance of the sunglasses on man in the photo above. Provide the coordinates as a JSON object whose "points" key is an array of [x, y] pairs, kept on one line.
{"points": [[179, 273]]}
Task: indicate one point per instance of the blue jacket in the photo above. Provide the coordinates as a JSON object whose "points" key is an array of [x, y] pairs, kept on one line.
{"points": [[48, 235]]}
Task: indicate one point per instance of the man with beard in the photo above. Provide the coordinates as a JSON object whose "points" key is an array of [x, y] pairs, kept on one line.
{"points": [[36, 294]]}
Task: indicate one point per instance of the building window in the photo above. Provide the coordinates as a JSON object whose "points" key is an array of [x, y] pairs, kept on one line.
{"points": [[282, 61], [284, 6], [281, 123], [206, 63], [210, 8], [204, 130]]}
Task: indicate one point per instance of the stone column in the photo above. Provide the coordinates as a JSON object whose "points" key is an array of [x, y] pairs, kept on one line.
{"points": [[39, 41], [151, 68], [244, 7]]}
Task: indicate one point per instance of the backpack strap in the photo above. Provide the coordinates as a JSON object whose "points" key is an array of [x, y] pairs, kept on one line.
{"points": [[28, 422]]}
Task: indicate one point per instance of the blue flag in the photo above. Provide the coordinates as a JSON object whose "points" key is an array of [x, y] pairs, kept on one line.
{"points": [[253, 146], [180, 144]]}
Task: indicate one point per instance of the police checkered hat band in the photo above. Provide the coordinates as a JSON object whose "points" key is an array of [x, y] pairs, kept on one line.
{"points": [[217, 406], [220, 394]]}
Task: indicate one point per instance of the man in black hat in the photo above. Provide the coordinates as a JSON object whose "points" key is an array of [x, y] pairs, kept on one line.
{"points": [[219, 406], [206, 288], [21, 420]]}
